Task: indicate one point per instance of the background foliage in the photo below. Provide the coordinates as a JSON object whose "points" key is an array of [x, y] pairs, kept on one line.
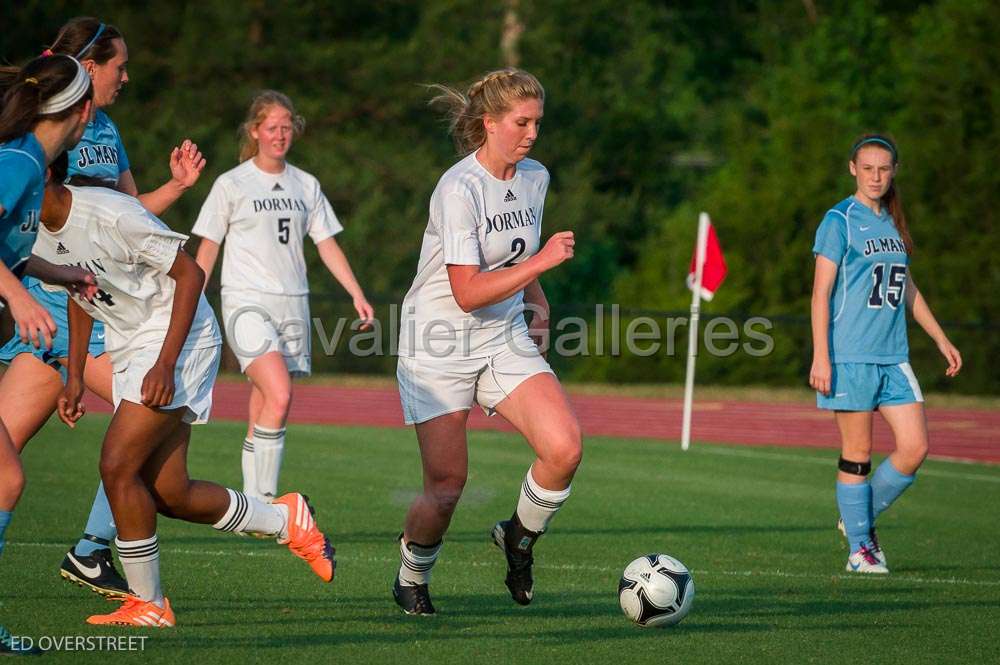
{"points": [[655, 110]]}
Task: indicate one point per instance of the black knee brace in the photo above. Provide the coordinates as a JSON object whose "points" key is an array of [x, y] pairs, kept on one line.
{"points": [[854, 468]]}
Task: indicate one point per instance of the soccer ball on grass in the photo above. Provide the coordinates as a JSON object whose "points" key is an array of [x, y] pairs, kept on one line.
{"points": [[656, 590]]}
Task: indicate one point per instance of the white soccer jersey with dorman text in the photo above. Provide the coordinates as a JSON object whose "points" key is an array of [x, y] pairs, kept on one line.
{"points": [[475, 219], [264, 218], [130, 251]]}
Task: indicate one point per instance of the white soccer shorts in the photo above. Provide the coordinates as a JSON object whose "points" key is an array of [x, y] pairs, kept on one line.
{"points": [[431, 387], [257, 323], [194, 377]]}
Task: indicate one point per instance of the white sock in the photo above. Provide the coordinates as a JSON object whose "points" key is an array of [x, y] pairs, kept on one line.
{"points": [[416, 562], [268, 445], [249, 515], [249, 468], [536, 506], [141, 562]]}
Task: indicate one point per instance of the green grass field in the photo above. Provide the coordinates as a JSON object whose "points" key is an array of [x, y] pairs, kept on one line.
{"points": [[756, 526]]}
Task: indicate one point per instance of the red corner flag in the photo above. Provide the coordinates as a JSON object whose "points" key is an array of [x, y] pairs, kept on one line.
{"points": [[714, 270]]}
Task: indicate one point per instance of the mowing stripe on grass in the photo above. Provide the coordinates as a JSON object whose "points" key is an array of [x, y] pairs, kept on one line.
{"points": [[581, 567], [764, 454]]}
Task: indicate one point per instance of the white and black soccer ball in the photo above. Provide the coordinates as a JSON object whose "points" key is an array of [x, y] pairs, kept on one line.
{"points": [[656, 590]]}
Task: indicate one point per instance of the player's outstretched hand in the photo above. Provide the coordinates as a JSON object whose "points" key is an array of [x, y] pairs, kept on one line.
{"points": [[158, 386], [953, 357], [366, 313], [32, 321], [69, 407], [819, 375], [559, 248], [186, 164], [78, 282]]}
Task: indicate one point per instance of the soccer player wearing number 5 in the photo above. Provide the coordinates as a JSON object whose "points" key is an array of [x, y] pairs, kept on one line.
{"points": [[861, 290], [263, 209], [463, 337], [164, 344]]}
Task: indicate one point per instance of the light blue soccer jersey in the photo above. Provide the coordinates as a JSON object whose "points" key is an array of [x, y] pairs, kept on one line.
{"points": [[22, 186], [100, 153], [868, 302]]}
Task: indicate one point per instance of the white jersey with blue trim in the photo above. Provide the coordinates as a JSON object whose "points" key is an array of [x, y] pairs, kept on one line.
{"points": [[264, 218], [868, 301], [100, 152], [22, 186], [475, 219], [130, 251]]}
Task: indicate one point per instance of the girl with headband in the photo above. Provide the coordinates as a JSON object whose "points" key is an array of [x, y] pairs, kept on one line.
{"points": [[101, 50], [44, 109], [861, 290]]}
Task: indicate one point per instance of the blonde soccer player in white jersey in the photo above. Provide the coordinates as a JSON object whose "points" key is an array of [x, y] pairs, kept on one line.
{"points": [[263, 209], [463, 336], [164, 345]]}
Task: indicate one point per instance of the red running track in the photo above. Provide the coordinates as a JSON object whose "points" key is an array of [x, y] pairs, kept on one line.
{"points": [[966, 434]]}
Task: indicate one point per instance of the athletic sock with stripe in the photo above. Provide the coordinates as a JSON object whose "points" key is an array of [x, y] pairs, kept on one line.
{"points": [[416, 561], [249, 466], [246, 514], [268, 446], [141, 563], [536, 506]]}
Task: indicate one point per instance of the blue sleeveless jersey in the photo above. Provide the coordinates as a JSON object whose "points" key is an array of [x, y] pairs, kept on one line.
{"points": [[22, 186], [100, 153], [868, 301]]}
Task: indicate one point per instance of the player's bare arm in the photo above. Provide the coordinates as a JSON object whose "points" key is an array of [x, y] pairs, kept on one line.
{"points": [[158, 385], [923, 315], [826, 273], [474, 289], [70, 408], [186, 165]]}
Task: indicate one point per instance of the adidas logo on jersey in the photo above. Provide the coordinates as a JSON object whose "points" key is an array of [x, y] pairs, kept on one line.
{"points": [[510, 197], [61, 249], [277, 187]]}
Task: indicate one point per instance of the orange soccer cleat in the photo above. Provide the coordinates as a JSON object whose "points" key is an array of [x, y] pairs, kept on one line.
{"points": [[138, 612], [305, 540]]}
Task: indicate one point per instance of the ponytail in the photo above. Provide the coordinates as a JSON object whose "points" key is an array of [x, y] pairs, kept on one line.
{"points": [[493, 94], [47, 88]]}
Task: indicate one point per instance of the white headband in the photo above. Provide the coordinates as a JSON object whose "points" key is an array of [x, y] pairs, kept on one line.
{"points": [[69, 95]]}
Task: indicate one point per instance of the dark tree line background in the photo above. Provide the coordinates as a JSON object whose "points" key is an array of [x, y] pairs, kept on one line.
{"points": [[655, 111]]}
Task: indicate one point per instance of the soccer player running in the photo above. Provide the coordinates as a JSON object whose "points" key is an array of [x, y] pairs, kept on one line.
{"points": [[34, 373], [463, 336], [44, 109], [263, 209], [861, 289], [164, 345]]}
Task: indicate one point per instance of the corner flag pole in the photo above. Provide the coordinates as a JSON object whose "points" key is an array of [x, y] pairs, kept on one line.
{"points": [[703, 223]]}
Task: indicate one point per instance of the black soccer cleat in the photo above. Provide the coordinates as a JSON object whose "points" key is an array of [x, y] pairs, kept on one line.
{"points": [[414, 600], [95, 571], [516, 542]]}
